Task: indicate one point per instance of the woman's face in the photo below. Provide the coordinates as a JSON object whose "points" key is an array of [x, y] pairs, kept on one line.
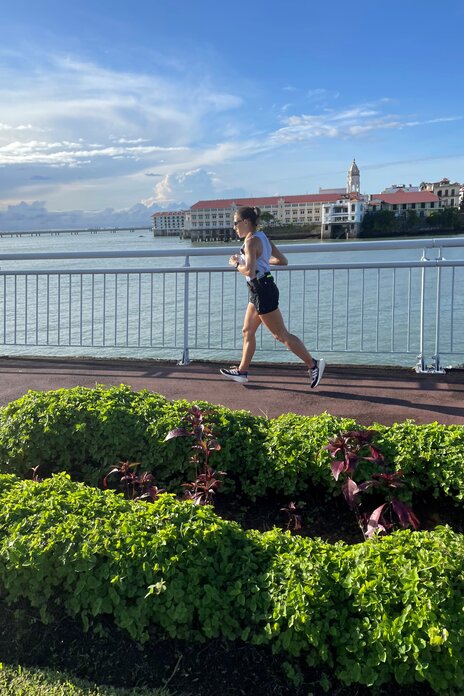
{"points": [[241, 227]]}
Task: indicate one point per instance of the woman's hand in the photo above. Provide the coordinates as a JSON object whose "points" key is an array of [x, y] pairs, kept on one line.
{"points": [[234, 260]]}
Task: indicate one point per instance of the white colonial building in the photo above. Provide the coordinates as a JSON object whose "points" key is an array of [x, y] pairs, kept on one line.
{"points": [[343, 217], [445, 190], [168, 223]]}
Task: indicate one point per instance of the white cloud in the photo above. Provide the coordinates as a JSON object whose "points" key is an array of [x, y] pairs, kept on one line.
{"points": [[131, 115], [73, 154], [342, 124], [7, 127], [191, 185]]}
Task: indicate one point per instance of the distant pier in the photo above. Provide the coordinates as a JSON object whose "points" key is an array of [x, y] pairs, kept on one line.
{"points": [[84, 230]]}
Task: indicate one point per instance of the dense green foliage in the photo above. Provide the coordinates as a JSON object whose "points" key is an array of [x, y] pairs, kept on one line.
{"points": [[87, 431], [19, 681], [390, 608], [431, 456]]}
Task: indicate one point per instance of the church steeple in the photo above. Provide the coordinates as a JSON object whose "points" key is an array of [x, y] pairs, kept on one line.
{"points": [[353, 184]]}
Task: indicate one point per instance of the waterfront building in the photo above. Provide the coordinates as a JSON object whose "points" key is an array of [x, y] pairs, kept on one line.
{"points": [[422, 202], [326, 211], [168, 223], [445, 190], [214, 219], [343, 217]]}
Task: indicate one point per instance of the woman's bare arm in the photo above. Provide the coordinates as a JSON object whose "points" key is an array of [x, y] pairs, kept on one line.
{"points": [[277, 258]]}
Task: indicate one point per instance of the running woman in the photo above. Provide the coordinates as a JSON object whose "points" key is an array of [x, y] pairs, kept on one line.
{"points": [[254, 261]]}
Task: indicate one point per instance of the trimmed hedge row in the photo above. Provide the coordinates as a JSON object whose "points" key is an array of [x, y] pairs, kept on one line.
{"points": [[390, 608], [87, 431]]}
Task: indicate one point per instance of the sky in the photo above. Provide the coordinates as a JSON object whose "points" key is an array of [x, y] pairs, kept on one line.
{"points": [[110, 111]]}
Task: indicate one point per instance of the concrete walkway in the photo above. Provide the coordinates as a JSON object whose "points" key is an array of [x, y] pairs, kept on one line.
{"points": [[383, 395]]}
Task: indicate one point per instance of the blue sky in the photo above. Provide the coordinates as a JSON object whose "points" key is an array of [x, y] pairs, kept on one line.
{"points": [[112, 109]]}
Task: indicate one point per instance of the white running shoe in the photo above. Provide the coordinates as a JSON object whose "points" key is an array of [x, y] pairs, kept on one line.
{"points": [[316, 372], [234, 373]]}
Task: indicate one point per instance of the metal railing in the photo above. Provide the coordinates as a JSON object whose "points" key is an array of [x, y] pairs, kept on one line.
{"points": [[375, 311]]}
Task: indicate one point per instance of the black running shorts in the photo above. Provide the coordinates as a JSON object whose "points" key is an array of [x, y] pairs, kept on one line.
{"points": [[263, 293]]}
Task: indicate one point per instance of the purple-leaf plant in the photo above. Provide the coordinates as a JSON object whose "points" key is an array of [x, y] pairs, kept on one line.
{"points": [[348, 451], [134, 486], [294, 516], [202, 490]]}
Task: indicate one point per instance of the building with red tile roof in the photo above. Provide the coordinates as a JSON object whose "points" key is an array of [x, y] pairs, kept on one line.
{"points": [[423, 202]]}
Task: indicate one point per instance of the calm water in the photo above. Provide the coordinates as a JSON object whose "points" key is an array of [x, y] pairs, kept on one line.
{"points": [[333, 297]]}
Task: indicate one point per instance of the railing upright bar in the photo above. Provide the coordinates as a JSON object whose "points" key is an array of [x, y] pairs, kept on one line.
{"points": [[15, 308], [318, 301], [92, 311], [128, 278], [37, 309], [104, 311], [347, 307], [25, 309], [332, 310], [139, 303], [4, 310], [362, 308], [436, 357], [59, 309], [81, 312], [70, 310], [452, 309], [185, 355], [392, 344], [377, 312], [408, 341]]}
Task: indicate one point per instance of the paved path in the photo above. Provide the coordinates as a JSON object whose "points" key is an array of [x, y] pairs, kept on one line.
{"points": [[383, 395]]}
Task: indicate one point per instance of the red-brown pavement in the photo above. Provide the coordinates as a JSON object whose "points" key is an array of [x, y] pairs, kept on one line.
{"points": [[367, 394]]}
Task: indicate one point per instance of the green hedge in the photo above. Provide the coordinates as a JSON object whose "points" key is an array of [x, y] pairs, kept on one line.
{"points": [[390, 608], [87, 431], [431, 456]]}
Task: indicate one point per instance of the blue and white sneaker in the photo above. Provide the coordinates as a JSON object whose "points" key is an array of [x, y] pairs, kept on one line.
{"points": [[316, 372], [234, 373]]}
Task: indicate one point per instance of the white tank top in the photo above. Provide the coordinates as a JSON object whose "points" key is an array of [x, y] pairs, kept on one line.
{"points": [[262, 262]]}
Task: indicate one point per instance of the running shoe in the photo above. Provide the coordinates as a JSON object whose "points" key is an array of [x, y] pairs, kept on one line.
{"points": [[316, 372], [234, 373]]}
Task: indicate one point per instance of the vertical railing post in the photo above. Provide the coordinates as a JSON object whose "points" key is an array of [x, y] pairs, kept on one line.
{"points": [[185, 354], [436, 367], [420, 365]]}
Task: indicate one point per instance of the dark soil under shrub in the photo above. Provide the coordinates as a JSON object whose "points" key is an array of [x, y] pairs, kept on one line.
{"points": [[214, 668]]}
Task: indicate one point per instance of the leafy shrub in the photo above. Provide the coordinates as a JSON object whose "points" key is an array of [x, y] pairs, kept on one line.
{"points": [[295, 454], [431, 456], [80, 430], [87, 431], [390, 608]]}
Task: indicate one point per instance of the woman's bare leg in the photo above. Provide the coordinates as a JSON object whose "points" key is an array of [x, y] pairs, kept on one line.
{"points": [[275, 323], [250, 326]]}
